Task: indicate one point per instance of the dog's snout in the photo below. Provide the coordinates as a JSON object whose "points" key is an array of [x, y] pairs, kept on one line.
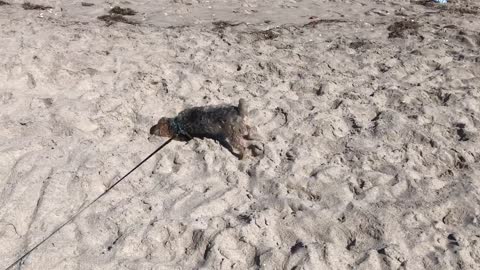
{"points": [[153, 129]]}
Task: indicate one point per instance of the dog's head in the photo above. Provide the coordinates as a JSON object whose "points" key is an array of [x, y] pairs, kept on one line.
{"points": [[162, 128]]}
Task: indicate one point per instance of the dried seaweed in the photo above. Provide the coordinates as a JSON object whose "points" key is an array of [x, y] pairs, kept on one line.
{"points": [[221, 25], [314, 23], [122, 11], [113, 18], [30, 6]]}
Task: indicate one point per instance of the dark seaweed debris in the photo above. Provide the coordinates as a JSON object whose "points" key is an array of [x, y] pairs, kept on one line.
{"points": [[30, 6], [85, 4], [314, 23], [122, 11], [116, 15], [357, 44], [464, 10], [267, 34], [113, 18], [221, 25], [3, 3], [451, 8]]}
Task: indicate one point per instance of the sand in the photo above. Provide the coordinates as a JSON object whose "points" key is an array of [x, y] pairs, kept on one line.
{"points": [[368, 154]]}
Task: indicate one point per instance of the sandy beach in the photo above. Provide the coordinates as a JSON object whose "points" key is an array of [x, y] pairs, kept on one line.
{"points": [[368, 148]]}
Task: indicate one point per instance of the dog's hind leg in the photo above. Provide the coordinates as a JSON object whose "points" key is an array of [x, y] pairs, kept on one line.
{"points": [[225, 142], [252, 134], [238, 144]]}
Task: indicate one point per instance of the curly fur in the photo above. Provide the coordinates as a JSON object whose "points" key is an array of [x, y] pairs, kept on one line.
{"points": [[224, 123]]}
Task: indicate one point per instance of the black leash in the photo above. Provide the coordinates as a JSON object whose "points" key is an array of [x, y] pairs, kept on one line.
{"points": [[92, 202]]}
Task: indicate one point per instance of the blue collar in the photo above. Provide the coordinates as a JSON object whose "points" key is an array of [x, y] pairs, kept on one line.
{"points": [[178, 129]]}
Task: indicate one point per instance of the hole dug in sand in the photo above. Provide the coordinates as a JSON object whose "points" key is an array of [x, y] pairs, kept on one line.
{"points": [[403, 28]]}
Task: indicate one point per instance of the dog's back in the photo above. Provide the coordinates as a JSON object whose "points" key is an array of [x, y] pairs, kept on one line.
{"points": [[212, 121], [224, 123]]}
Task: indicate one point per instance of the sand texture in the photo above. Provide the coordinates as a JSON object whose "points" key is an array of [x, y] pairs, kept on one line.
{"points": [[368, 148]]}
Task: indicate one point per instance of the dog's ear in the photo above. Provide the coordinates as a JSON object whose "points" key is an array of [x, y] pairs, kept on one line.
{"points": [[163, 121], [153, 130]]}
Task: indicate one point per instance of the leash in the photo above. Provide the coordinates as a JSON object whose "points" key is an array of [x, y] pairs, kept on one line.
{"points": [[84, 208]]}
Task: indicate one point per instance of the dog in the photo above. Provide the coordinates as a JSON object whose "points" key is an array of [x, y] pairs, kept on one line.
{"points": [[223, 123]]}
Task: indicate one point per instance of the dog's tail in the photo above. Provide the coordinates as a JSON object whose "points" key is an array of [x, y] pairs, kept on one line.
{"points": [[242, 107]]}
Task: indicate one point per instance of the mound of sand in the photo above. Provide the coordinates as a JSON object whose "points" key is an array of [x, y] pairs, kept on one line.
{"points": [[368, 112]]}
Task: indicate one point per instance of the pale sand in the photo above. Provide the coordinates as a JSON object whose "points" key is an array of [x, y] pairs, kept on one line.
{"points": [[369, 157]]}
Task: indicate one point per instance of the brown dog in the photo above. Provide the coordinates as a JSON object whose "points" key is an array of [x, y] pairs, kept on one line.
{"points": [[224, 123]]}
